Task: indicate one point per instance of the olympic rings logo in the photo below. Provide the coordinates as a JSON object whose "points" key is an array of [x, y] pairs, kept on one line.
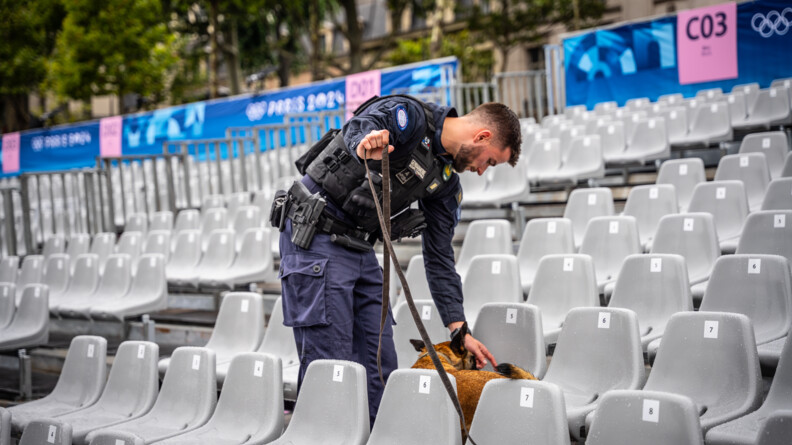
{"points": [[773, 23]]}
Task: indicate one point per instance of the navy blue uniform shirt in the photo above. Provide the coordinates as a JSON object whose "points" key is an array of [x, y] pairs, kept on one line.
{"points": [[404, 119]]}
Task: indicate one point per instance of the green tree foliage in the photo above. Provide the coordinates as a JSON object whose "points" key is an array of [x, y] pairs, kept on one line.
{"points": [[113, 47], [476, 64]]}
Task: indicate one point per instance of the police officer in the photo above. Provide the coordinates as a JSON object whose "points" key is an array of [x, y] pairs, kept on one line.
{"points": [[331, 280]]}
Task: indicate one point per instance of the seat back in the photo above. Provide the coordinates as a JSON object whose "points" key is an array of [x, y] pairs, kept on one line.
{"points": [[251, 403], [542, 236], [658, 418], [647, 204], [693, 236], [492, 278], [758, 286], [149, 282], [405, 330], [511, 410], [212, 202], [255, 253], [32, 313], [771, 106], [158, 241], [606, 107], [133, 382], [82, 378], [563, 282], [584, 159], [56, 273], [7, 303], [5, 427], [189, 219], [777, 429], [263, 201], [781, 389], [220, 250], [670, 99], [649, 140], [655, 287], [103, 245], [598, 350], [726, 201], [85, 277], [709, 94], [676, 119], [211, 220], [237, 200], [485, 236], [566, 137], [749, 90], [246, 217], [130, 243], [188, 393], [787, 171], [162, 221], [751, 169], [773, 144], [769, 232], [239, 326], [278, 338], [544, 157], [136, 222], [187, 249], [53, 245], [738, 107], [513, 333], [778, 195], [30, 273], [416, 279], [47, 431], [683, 174], [584, 204], [609, 240], [704, 352], [416, 397], [78, 244], [332, 406]]}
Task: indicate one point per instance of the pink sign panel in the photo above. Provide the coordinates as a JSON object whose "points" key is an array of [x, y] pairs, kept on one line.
{"points": [[360, 87], [110, 136], [707, 43], [11, 153]]}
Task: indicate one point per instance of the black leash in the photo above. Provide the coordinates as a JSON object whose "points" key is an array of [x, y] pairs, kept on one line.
{"points": [[384, 214]]}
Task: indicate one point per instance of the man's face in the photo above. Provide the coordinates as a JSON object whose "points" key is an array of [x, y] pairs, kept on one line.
{"points": [[477, 157]]}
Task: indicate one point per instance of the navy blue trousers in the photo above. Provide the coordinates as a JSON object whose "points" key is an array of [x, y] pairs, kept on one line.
{"points": [[332, 298]]}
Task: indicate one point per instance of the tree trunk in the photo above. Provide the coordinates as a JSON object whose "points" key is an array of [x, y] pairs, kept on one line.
{"points": [[16, 116], [436, 41], [214, 78], [354, 35], [314, 25], [232, 59]]}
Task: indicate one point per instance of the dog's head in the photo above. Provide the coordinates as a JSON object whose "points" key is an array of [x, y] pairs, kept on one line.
{"points": [[457, 355]]}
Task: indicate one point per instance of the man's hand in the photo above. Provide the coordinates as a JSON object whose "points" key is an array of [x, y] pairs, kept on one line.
{"points": [[479, 351], [374, 143]]}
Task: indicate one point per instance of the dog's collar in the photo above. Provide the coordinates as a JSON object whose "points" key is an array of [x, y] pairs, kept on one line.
{"points": [[439, 355]]}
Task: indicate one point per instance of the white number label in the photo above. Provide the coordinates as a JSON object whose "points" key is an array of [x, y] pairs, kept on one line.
{"points": [[141, 351], [710, 329], [603, 322], [426, 312], [654, 193], [656, 265], [90, 351], [687, 224], [551, 227], [424, 384], [592, 199], [720, 193], [338, 373], [120, 442], [765, 142], [779, 221], [651, 411], [586, 142], [527, 397], [652, 123], [196, 364], [754, 265], [245, 305], [683, 169], [490, 232], [496, 267], [614, 227], [258, 368], [569, 264], [744, 161], [511, 316], [53, 430]]}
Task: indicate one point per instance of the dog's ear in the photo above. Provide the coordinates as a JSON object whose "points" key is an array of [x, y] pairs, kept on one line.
{"points": [[417, 344], [458, 342]]}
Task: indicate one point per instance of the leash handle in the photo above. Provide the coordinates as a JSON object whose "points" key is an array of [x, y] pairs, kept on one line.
{"points": [[389, 254]]}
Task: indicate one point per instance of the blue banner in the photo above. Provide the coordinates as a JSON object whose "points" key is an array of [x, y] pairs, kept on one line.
{"points": [[640, 59], [77, 145]]}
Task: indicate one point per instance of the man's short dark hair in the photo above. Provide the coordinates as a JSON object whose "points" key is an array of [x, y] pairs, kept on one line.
{"points": [[504, 124]]}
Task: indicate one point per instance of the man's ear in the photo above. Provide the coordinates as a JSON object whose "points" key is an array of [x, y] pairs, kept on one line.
{"points": [[417, 344], [482, 135], [458, 342]]}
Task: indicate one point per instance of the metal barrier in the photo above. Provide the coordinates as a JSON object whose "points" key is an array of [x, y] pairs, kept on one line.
{"points": [[556, 88]]}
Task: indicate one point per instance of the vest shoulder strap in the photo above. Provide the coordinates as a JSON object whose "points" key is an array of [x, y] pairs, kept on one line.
{"points": [[430, 125]]}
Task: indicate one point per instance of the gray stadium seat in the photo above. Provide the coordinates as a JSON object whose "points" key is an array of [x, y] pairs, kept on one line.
{"points": [[683, 174], [787, 171], [649, 142], [484, 236], [509, 411], [647, 204], [777, 429], [148, 293], [709, 94], [771, 107], [211, 220], [758, 286], [655, 287], [5, 427], [404, 330], [238, 328], [185, 402], [693, 236], [727, 202], [657, 418], [279, 342], [188, 219], [778, 195], [131, 390], [136, 222], [769, 232], [186, 255], [254, 262], [671, 99], [30, 273], [491, 279], [542, 236], [79, 386], [212, 202], [598, 350], [117, 438], [751, 169], [158, 241], [703, 353], [416, 279], [332, 407], [7, 304], [543, 159], [113, 285], [237, 200], [218, 256], [83, 283], [130, 243], [416, 397], [54, 244], [608, 240], [246, 217], [250, 407], [709, 123], [513, 334], [613, 139], [749, 90], [606, 107], [162, 221], [563, 282], [583, 160], [30, 325], [773, 144], [676, 120], [584, 204], [9, 269], [46, 431], [78, 244]]}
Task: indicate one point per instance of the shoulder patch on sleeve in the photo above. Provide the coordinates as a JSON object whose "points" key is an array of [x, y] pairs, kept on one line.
{"points": [[401, 117]]}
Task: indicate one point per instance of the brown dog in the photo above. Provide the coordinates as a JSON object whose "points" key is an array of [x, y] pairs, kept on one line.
{"points": [[460, 363]]}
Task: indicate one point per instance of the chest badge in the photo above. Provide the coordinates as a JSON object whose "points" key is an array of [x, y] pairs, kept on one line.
{"points": [[401, 117], [447, 172], [427, 142], [416, 168]]}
